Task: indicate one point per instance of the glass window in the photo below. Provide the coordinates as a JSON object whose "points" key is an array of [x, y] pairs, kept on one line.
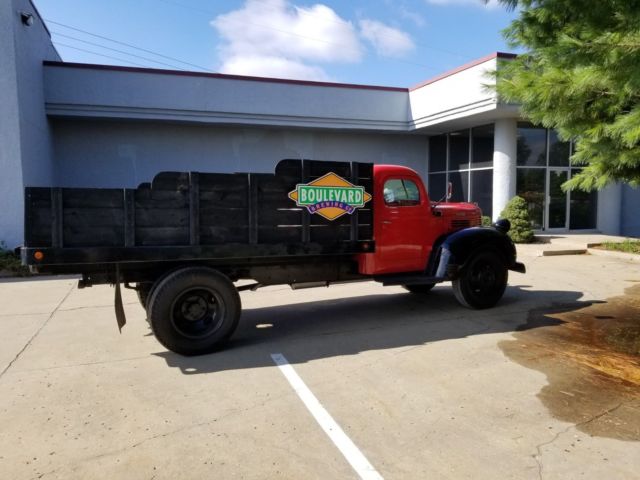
{"points": [[482, 151], [530, 185], [401, 193], [482, 190], [558, 151], [456, 148], [460, 185], [557, 199], [583, 209], [438, 153], [532, 146], [437, 186], [459, 150]]}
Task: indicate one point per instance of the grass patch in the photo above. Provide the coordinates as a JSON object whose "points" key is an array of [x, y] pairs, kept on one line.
{"points": [[628, 246]]}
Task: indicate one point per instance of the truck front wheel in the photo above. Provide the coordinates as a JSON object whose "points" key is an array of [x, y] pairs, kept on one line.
{"points": [[482, 281], [194, 310]]}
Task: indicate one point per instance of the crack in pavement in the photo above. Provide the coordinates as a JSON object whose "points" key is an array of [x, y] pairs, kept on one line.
{"points": [[86, 364], [2, 315], [33, 337], [72, 309], [538, 456], [34, 314]]}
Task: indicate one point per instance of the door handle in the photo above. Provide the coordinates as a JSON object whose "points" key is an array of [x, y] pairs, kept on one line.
{"points": [[387, 222]]}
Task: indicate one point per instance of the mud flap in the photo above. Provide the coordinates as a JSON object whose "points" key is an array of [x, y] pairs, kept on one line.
{"points": [[120, 317]]}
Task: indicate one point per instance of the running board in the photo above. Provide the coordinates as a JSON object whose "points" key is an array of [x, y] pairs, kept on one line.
{"points": [[418, 279]]}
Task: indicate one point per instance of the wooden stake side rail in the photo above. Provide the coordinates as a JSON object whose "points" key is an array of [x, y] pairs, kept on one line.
{"points": [[188, 215]]}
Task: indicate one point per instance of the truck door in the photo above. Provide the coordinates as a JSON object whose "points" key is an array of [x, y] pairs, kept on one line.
{"points": [[401, 225]]}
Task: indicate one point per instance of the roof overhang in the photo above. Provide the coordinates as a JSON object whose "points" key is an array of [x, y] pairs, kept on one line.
{"points": [[457, 97]]}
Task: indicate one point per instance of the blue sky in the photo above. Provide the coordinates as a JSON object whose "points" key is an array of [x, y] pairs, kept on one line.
{"points": [[379, 42]]}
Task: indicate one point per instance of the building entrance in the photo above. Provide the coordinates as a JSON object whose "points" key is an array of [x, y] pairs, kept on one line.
{"points": [[542, 167], [557, 201]]}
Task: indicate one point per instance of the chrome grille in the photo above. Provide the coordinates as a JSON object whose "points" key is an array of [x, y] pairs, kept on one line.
{"points": [[459, 223], [456, 224]]}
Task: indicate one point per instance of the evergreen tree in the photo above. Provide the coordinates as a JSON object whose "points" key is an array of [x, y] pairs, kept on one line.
{"points": [[580, 76], [517, 212]]}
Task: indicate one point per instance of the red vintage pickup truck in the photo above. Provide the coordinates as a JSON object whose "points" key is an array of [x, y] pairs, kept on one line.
{"points": [[182, 240]]}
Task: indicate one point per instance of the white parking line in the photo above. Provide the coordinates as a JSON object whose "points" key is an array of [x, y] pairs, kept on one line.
{"points": [[351, 453]]}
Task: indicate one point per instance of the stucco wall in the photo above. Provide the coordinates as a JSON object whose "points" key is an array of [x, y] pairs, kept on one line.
{"points": [[33, 46], [630, 211], [25, 142], [609, 209], [83, 91], [10, 197], [119, 154], [458, 95]]}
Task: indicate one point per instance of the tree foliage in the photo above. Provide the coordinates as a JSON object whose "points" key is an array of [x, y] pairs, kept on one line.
{"points": [[580, 76], [517, 212]]}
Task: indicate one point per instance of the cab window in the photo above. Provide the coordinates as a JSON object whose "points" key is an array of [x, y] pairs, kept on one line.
{"points": [[401, 193]]}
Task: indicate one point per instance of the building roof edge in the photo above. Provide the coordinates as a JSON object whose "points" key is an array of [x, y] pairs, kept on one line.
{"points": [[466, 66], [247, 78], [222, 76]]}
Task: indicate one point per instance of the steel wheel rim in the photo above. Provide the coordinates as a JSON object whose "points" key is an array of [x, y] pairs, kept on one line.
{"points": [[483, 278], [198, 312]]}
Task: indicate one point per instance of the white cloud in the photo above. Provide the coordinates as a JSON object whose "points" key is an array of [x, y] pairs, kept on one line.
{"points": [[276, 38], [409, 14], [479, 3], [388, 41]]}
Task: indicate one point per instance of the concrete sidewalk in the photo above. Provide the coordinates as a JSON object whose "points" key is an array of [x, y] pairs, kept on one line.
{"points": [[576, 244]]}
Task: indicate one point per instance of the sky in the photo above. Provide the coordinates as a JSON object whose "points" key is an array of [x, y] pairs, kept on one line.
{"points": [[396, 43]]}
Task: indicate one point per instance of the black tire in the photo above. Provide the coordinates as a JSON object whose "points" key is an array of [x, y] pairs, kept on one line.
{"points": [[482, 281], [423, 288], [194, 310]]}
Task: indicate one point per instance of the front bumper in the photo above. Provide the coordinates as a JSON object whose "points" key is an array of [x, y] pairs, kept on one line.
{"points": [[518, 267]]}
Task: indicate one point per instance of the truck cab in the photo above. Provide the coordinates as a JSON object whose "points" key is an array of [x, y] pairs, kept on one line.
{"points": [[408, 224]]}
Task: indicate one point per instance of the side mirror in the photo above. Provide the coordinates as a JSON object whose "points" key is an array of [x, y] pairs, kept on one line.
{"points": [[449, 190]]}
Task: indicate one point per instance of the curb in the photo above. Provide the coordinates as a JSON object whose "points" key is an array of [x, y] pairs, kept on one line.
{"points": [[567, 251]]}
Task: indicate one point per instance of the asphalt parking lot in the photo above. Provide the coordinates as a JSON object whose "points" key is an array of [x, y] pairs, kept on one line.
{"points": [[546, 385]]}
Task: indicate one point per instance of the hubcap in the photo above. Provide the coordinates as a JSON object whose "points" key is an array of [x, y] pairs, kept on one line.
{"points": [[194, 308]]}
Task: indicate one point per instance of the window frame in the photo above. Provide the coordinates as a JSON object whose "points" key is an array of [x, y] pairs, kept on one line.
{"points": [[402, 202], [467, 168]]}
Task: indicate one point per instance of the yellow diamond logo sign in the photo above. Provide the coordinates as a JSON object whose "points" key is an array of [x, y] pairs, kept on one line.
{"points": [[330, 196]]}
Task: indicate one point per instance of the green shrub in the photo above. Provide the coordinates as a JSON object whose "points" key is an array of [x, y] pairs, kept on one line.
{"points": [[486, 221], [10, 262], [517, 212]]}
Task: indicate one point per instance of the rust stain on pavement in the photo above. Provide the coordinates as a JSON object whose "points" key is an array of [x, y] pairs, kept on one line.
{"points": [[591, 357]]}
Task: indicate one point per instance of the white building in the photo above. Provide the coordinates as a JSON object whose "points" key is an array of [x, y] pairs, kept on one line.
{"points": [[64, 124]]}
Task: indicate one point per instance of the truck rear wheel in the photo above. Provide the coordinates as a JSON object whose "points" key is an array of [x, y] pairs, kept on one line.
{"points": [[143, 290], [482, 281], [194, 310]]}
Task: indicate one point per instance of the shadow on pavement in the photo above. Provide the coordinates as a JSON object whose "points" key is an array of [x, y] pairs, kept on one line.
{"points": [[348, 326]]}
